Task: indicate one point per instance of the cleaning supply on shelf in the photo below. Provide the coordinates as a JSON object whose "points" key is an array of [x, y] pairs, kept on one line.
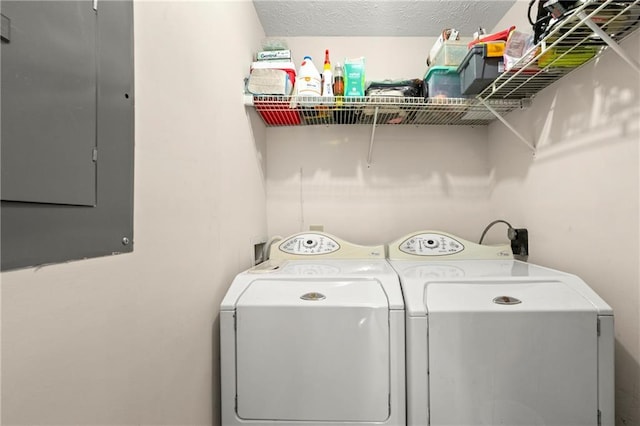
{"points": [[327, 76], [354, 77], [308, 82], [518, 50], [269, 82], [271, 78], [274, 55], [338, 80]]}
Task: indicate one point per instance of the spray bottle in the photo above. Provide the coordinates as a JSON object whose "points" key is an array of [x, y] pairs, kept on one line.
{"points": [[327, 76]]}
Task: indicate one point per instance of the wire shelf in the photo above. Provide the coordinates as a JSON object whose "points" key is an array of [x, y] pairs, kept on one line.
{"points": [[570, 44], [573, 41], [294, 110]]}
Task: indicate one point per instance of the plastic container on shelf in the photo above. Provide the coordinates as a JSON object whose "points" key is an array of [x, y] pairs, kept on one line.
{"points": [[451, 53], [442, 82], [479, 69], [499, 36], [566, 57], [275, 110]]}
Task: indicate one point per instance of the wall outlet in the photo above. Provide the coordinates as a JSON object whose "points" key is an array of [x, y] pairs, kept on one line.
{"points": [[258, 253], [520, 244]]}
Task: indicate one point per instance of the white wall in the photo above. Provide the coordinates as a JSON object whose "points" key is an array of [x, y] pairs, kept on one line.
{"points": [[579, 196], [420, 178], [132, 339], [385, 57], [434, 177]]}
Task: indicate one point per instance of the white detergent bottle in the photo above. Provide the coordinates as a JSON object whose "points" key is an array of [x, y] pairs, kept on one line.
{"points": [[308, 82]]}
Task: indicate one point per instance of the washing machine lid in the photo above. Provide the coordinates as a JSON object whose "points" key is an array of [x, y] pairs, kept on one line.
{"points": [[313, 350], [516, 353], [303, 292]]}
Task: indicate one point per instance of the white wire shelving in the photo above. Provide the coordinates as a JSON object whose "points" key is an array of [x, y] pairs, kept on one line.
{"points": [[579, 37], [572, 42], [378, 110]]}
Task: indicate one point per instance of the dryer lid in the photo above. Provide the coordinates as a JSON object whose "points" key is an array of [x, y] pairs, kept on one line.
{"points": [[314, 293], [510, 296]]}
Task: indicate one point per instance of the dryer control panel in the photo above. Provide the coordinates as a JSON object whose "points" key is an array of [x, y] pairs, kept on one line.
{"points": [[431, 244], [438, 245], [320, 245], [309, 244]]}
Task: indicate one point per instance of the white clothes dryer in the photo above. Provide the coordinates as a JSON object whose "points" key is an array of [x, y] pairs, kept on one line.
{"points": [[314, 336], [496, 341]]}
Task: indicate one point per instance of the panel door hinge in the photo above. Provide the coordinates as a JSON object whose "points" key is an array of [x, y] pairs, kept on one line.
{"points": [[598, 327], [599, 417], [94, 155]]}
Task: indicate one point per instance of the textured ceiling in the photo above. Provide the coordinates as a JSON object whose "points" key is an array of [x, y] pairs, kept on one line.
{"points": [[384, 18]]}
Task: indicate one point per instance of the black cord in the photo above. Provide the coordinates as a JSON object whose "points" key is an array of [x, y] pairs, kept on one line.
{"points": [[490, 225], [531, 3]]}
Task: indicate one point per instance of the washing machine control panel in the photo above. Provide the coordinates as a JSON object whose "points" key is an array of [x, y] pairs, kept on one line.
{"points": [[309, 244], [431, 244]]}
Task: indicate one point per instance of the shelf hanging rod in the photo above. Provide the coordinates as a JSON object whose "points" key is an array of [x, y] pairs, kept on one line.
{"points": [[373, 132]]}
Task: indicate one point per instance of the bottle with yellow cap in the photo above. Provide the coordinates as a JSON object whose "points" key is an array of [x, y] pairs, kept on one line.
{"points": [[327, 76]]}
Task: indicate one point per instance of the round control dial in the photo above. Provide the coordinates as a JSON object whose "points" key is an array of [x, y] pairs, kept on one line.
{"points": [[431, 245], [310, 243]]}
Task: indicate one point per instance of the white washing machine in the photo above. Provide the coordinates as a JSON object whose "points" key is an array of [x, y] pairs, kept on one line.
{"points": [[496, 341], [314, 336]]}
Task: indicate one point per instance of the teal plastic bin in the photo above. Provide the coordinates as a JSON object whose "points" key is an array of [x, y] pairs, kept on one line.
{"points": [[442, 82]]}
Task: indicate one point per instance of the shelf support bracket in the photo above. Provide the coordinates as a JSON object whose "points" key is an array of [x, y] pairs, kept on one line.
{"points": [[373, 132], [610, 42], [508, 125]]}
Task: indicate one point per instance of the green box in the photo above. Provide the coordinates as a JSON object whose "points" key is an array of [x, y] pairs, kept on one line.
{"points": [[354, 77]]}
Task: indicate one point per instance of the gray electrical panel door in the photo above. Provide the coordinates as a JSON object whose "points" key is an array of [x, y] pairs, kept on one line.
{"points": [[49, 102], [86, 209]]}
